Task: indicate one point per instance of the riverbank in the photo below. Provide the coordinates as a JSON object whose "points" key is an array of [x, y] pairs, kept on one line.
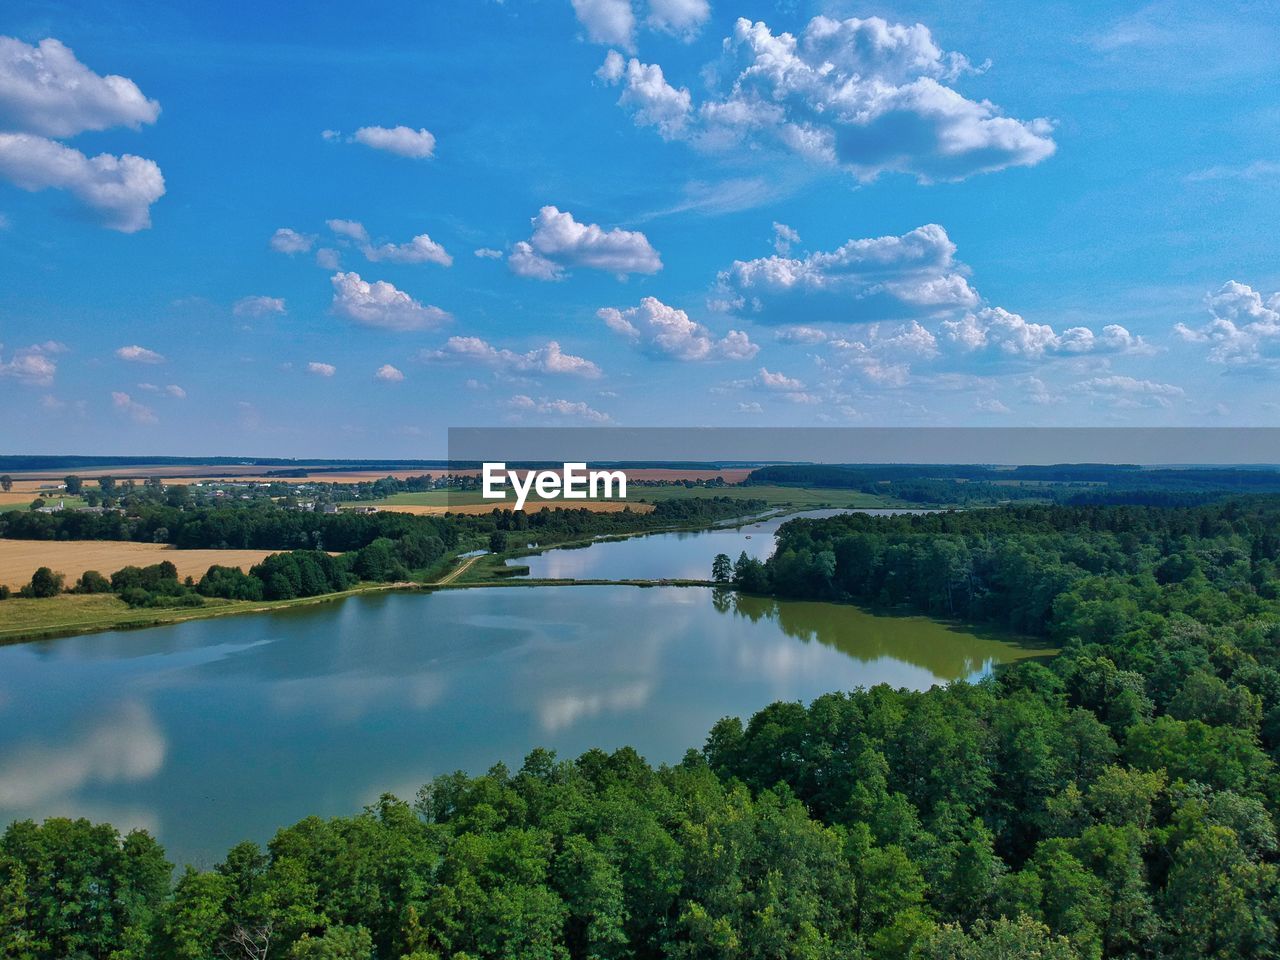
{"points": [[69, 615]]}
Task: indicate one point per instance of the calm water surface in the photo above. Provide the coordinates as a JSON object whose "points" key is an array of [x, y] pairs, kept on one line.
{"points": [[674, 556], [214, 731]]}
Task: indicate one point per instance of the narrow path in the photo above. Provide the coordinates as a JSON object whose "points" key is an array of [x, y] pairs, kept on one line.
{"points": [[456, 572]]}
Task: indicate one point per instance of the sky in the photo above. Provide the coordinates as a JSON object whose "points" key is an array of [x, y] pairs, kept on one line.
{"points": [[278, 230]]}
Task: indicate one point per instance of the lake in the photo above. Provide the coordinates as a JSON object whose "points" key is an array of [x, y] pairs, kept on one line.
{"points": [[213, 731], [673, 556]]}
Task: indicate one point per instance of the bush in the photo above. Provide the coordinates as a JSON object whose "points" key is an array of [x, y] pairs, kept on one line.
{"points": [[158, 578], [4, 592], [138, 597], [91, 581], [44, 583], [229, 583], [135, 596]]}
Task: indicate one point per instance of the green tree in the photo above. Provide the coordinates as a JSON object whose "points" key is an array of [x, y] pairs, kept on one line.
{"points": [[1019, 939], [44, 583], [91, 581], [721, 568], [1216, 903], [195, 921], [16, 938], [337, 943], [74, 485]]}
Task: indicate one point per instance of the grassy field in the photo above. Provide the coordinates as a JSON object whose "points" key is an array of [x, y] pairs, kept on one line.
{"points": [[774, 496], [68, 614], [19, 558]]}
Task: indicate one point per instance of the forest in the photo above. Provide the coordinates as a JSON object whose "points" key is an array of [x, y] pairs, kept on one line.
{"points": [[1071, 483], [1117, 800]]}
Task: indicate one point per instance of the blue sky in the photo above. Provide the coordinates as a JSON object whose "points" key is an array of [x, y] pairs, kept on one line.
{"points": [[336, 233]]}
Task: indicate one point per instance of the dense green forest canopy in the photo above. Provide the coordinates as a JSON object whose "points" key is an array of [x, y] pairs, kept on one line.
{"points": [[1074, 483], [1116, 801]]}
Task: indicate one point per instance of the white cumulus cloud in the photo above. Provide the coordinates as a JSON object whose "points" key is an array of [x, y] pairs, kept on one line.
{"points": [[380, 304], [607, 21], [652, 101], [119, 190], [557, 410], [1244, 329], [44, 89], [421, 249], [801, 334], [257, 306], [388, 374], [915, 274], [46, 92], [559, 242], [615, 22], [549, 358], [783, 237], [290, 241], [680, 18], [32, 366], [137, 354], [777, 381], [863, 95], [1009, 334], [403, 141], [321, 369], [668, 333]]}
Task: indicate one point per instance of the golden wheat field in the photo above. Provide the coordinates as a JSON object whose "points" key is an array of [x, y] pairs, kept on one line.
{"points": [[20, 558]]}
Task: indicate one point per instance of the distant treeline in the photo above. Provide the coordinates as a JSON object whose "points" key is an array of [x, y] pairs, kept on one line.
{"points": [[1079, 483]]}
